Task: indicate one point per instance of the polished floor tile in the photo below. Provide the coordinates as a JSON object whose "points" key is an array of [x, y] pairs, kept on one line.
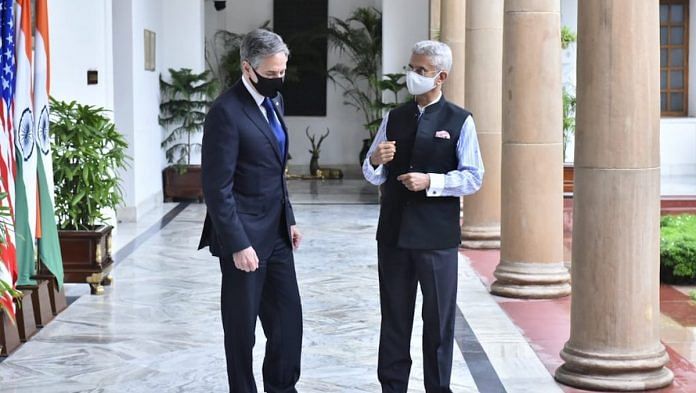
{"points": [[157, 329]]}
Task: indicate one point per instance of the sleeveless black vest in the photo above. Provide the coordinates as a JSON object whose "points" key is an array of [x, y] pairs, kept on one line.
{"points": [[409, 219]]}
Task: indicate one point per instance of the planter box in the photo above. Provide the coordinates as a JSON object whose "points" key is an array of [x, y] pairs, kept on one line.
{"points": [[568, 175], [86, 257], [186, 185]]}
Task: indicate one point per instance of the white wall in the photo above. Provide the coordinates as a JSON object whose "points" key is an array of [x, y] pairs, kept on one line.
{"points": [[79, 44], [407, 21], [137, 96], [342, 146], [678, 146]]}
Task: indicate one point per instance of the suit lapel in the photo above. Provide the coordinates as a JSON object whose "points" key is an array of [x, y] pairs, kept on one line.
{"points": [[254, 114]]}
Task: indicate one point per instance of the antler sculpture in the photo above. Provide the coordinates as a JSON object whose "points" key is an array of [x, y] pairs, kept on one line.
{"points": [[314, 162]]}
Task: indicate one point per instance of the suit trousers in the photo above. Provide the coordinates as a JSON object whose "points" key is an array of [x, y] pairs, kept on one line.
{"points": [[271, 293], [400, 272]]}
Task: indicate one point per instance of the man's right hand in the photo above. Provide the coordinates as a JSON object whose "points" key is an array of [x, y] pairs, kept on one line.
{"points": [[384, 153], [246, 260]]}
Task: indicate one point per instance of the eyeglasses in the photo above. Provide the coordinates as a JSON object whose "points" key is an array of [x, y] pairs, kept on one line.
{"points": [[419, 70]]}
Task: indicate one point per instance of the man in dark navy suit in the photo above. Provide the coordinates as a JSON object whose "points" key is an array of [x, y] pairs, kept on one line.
{"points": [[250, 225]]}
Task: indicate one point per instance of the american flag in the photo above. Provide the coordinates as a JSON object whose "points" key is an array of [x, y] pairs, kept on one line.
{"points": [[8, 66]]}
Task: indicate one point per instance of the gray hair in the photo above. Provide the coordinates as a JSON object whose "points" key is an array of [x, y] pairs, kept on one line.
{"points": [[259, 44], [439, 52]]}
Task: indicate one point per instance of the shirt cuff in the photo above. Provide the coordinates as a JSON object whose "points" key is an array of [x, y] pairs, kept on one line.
{"points": [[437, 184]]}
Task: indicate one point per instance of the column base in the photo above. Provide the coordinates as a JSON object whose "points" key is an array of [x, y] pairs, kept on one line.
{"points": [[481, 237], [614, 372], [531, 280]]}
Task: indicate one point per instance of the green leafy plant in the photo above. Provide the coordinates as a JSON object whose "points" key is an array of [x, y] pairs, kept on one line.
{"points": [[185, 101], [569, 103], [568, 36], [360, 38], [678, 246], [6, 288], [692, 295], [88, 151]]}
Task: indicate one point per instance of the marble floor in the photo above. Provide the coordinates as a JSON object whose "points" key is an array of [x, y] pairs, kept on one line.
{"points": [[158, 329]]}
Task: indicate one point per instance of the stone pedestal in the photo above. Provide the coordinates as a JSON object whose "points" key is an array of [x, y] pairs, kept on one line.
{"points": [[615, 314], [484, 67], [531, 255]]}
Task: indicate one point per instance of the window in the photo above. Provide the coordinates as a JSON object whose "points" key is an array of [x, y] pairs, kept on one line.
{"points": [[674, 50]]}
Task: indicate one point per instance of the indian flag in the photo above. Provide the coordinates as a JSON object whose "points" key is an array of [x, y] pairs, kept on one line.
{"points": [[47, 231], [26, 150]]}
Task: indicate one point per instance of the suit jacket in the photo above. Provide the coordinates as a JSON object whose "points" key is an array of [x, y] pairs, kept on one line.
{"points": [[243, 176]]}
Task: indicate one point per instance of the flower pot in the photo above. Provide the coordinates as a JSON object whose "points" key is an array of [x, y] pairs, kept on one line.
{"points": [[86, 257], [183, 183], [568, 176]]}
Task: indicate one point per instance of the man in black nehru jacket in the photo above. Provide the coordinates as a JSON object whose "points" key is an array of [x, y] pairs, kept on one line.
{"points": [[424, 157]]}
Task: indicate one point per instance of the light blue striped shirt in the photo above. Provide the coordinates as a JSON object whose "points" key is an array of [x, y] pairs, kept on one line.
{"points": [[465, 180]]}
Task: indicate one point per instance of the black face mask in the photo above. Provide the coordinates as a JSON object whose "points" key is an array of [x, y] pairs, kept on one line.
{"points": [[267, 87]]}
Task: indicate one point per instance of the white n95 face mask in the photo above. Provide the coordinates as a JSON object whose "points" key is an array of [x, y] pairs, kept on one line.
{"points": [[419, 84]]}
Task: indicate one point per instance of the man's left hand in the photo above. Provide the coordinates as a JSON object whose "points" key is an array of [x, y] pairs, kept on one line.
{"points": [[296, 237], [415, 181]]}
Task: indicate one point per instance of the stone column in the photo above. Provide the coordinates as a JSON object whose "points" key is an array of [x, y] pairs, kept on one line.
{"points": [[453, 33], [434, 20], [615, 314], [484, 67], [531, 255]]}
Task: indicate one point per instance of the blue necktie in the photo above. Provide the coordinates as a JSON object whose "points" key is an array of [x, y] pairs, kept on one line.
{"points": [[275, 125]]}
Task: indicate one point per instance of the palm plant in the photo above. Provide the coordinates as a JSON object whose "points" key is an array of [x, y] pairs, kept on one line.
{"points": [[87, 152], [569, 102], [185, 101], [360, 38]]}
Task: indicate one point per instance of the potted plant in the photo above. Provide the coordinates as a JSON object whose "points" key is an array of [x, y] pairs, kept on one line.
{"points": [[88, 152], [568, 37], [360, 37], [185, 101], [569, 102]]}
